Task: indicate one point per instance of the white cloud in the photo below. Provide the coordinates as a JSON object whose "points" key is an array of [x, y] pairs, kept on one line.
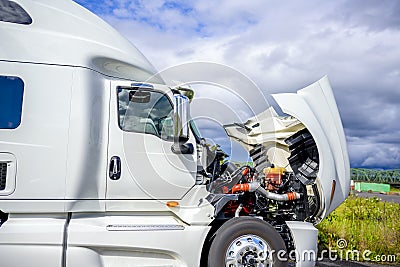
{"points": [[284, 46]]}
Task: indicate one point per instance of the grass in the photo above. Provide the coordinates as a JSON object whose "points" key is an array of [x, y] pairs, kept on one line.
{"points": [[366, 224], [394, 189]]}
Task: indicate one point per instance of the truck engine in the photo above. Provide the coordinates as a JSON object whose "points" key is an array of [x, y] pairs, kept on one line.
{"points": [[274, 193]]}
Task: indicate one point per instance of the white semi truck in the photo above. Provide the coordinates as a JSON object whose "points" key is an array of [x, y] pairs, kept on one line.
{"points": [[101, 164]]}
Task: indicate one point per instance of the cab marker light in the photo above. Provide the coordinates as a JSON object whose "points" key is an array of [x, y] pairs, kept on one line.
{"points": [[172, 204]]}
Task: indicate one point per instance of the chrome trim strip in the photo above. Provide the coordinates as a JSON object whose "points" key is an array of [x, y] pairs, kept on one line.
{"points": [[144, 227]]}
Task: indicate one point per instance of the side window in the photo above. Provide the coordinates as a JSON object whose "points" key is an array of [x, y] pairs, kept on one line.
{"points": [[11, 94], [145, 111]]}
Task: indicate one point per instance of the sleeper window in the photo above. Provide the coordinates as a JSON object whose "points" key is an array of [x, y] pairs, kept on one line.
{"points": [[11, 94], [13, 13]]}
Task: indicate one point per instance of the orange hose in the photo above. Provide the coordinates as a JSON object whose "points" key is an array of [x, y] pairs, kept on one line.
{"points": [[291, 195], [241, 187]]}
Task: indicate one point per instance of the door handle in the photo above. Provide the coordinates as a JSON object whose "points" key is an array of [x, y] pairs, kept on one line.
{"points": [[115, 168]]}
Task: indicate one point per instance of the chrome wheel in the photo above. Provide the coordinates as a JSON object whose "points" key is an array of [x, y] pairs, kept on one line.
{"points": [[249, 251]]}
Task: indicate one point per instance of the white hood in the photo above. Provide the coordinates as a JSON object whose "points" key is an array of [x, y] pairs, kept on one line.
{"points": [[314, 108], [268, 129]]}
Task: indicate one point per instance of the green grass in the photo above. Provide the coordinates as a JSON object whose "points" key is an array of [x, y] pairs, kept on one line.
{"points": [[366, 224], [394, 189]]}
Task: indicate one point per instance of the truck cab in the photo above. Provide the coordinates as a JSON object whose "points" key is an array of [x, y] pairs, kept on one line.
{"points": [[102, 165]]}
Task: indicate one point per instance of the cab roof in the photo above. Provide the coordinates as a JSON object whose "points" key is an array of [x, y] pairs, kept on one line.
{"points": [[62, 32]]}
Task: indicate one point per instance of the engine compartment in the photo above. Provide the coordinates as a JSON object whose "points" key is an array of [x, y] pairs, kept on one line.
{"points": [[264, 190], [275, 193]]}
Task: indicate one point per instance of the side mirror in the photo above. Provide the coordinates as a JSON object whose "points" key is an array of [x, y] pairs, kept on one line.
{"points": [[139, 96], [181, 125]]}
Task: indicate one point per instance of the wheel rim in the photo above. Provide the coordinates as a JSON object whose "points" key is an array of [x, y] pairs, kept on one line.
{"points": [[249, 251]]}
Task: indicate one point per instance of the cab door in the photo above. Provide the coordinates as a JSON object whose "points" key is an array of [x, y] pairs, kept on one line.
{"points": [[141, 162]]}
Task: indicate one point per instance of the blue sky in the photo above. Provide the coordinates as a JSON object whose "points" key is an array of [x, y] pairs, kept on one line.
{"points": [[283, 46]]}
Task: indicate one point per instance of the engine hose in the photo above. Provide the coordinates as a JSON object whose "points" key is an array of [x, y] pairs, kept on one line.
{"points": [[256, 187], [241, 187]]}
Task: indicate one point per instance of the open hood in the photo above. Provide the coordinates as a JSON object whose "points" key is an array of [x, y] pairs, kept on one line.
{"points": [[312, 109], [267, 129]]}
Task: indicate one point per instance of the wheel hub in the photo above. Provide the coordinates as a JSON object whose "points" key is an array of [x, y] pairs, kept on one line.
{"points": [[248, 251]]}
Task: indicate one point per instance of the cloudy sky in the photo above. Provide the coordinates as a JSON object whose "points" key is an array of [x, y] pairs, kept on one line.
{"points": [[283, 46]]}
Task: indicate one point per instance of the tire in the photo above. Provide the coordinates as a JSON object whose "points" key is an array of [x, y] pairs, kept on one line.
{"points": [[246, 241]]}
